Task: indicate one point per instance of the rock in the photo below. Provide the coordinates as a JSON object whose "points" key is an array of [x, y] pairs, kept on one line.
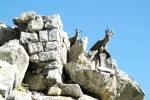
{"points": [[1, 98], [78, 49], [52, 65], [43, 36], [34, 58], [54, 91], [7, 33], [52, 22], [35, 82], [86, 97], [53, 76], [24, 18], [36, 24], [72, 90], [49, 56], [7, 77], [35, 47], [15, 54], [54, 35], [20, 95], [52, 46], [38, 96], [102, 84], [127, 88], [28, 37]]}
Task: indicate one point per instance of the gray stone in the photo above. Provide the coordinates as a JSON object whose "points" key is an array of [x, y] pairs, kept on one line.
{"points": [[28, 37], [127, 88], [86, 97], [1, 98], [65, 40], [54, 35], [72, 90], [49, 56], [52, 22], [13, 53], [35, 25], [53, 76], [38, 96], [102, 84], [35, 82], [7, 77], [54, 91], [35, 47], [24, 18], [52, 65], [63, 55], [20, 95], [34, 58], [43, 36], [52, 46]]}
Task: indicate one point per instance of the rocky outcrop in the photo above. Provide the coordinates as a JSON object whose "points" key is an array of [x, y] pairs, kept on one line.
{"points": [[13, 53], [7, 78], [102, 83], [37, 63]]}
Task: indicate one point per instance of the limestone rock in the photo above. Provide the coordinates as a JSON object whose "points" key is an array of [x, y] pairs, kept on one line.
{"points": [[20, 95], [43, 36], [54, 91], [7, 77], [36, 24], [86, 97], [24, 18], [15, 54], [54, 35], [72, 90], [53, 76], [100, 83], [52, 46], [127, 88], [52, 22], [49, 56], [35, 47], [28, 37]]}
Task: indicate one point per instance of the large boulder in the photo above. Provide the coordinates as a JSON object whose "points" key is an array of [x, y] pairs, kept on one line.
{"points": [[101, 83], [107, 83], [13, 53], [7, 77], [127, 88]]}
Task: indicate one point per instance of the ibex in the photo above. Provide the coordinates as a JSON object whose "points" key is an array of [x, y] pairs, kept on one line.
{"points": [[101, 46], [73, 39]]}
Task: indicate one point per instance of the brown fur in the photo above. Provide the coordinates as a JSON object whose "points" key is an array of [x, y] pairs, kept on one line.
{"points": [[101, 46]]}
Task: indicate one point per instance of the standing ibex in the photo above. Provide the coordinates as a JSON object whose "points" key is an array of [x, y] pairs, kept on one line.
{"points": [[101, 46], [74, 38]]}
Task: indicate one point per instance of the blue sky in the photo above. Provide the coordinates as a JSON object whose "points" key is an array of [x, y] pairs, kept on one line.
{"points": [[130, 20]]}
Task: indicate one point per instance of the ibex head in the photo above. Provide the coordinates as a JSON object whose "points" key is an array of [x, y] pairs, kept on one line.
{"points": [[78, 32], [108, 33]]}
